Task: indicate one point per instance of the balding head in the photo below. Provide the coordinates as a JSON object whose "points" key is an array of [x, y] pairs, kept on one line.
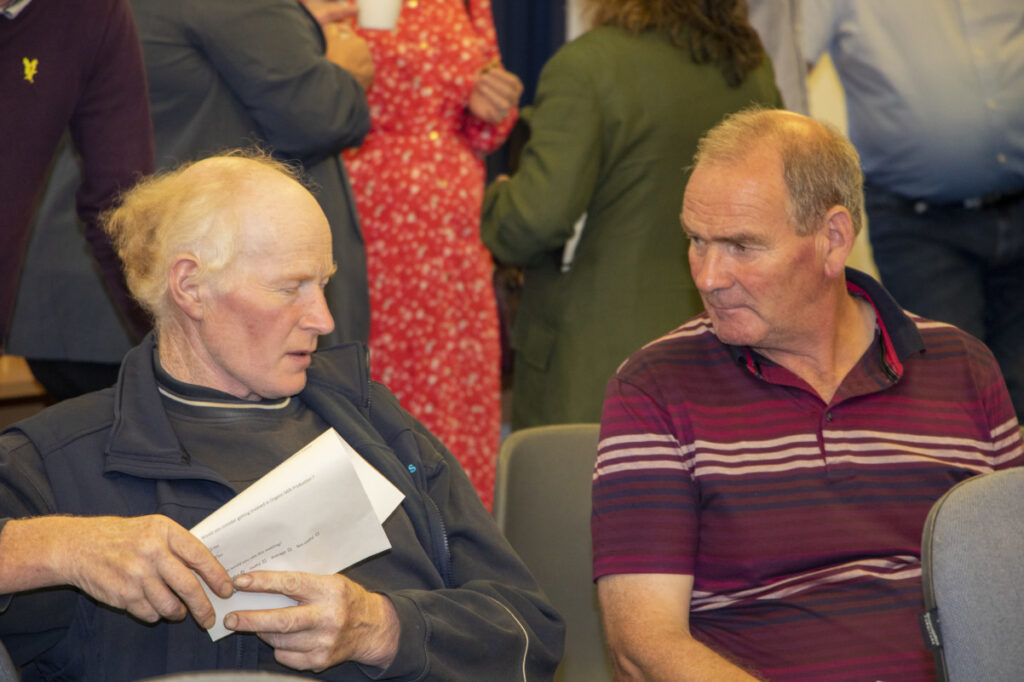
{"points": [[196, 209], [821, 168]]}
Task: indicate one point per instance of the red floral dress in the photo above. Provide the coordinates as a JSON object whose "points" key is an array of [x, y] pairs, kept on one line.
{"points": [[418, 180]]}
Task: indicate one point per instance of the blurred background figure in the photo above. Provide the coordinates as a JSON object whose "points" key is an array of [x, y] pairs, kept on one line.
{"points": [[940, 135], [440, 101], [593, 210], [777, 22], [222, 74], [71, 63]]}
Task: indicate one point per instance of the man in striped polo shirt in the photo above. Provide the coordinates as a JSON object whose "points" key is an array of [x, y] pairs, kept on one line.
{"points": [[765, 470]]}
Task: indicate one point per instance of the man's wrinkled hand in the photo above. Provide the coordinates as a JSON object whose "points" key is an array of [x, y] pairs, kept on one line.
{"points": [[143, 565], [336, 620]]}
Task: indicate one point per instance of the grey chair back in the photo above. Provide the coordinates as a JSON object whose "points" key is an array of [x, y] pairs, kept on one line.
{"points": [[972, 559], [542, 503]]}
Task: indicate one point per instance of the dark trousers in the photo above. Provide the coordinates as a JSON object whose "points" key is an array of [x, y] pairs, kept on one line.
{"points": [[63, 379], [958, 264]]}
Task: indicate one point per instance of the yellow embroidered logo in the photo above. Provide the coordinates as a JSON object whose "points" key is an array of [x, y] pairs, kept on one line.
{"points": [[31, 67]]}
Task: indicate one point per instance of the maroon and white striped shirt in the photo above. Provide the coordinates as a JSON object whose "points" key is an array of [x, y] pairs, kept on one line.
{"points": [[800, 521]]}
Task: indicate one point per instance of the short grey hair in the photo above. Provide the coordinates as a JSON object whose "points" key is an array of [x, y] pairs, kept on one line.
{"points": [[821, 167]]}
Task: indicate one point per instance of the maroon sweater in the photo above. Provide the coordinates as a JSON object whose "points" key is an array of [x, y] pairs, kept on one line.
{"points": [[70, 64]]}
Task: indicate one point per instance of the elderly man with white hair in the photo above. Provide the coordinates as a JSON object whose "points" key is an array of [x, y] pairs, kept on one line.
{"points": [[102, 580]]}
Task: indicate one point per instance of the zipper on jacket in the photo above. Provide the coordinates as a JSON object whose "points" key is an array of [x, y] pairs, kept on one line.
{"points": [[369, 382], [438, 530], [441, 547]]}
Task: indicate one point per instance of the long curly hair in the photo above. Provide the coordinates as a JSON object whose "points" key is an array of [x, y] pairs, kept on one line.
{"points": [[715, 32]]}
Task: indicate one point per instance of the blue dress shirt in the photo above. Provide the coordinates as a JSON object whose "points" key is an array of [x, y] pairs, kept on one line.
{"points": [[934, 91]]}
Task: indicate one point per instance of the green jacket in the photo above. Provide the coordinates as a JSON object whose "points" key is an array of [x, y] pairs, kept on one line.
{"points": [[614, 128]]}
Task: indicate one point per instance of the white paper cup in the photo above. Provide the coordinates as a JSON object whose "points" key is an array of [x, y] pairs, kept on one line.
{"points": [[379, 14]]}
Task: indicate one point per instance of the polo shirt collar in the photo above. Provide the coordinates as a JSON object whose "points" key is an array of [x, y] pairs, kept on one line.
{"points": [[900, 332], [899, 335]]}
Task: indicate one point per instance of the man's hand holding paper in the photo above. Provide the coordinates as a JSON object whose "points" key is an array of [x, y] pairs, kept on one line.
{"points": [[335, 620], [317, 513]]}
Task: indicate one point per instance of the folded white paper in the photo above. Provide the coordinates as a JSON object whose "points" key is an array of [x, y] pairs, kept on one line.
{"points": [[319, 511]]}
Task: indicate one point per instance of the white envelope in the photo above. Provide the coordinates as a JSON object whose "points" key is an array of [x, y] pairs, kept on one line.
{"points": [[319, 511]]}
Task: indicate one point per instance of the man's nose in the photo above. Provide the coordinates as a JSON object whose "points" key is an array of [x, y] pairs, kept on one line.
{"points": [[711, 271], [318, 317]]}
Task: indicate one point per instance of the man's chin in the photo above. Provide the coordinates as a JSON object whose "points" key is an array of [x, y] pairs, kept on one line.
{"points": [[735, 326], [730, 335], [285, 388]]}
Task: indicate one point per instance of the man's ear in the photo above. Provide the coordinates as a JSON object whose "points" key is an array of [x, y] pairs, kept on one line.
{"points": [[185, 287], [841, 238]]}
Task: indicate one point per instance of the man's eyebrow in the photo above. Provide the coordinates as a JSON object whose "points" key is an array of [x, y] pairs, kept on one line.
{"points": [[307, 275], [744, 238], [749, 238]]}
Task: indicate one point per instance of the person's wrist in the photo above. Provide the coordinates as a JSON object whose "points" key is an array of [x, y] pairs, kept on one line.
{"points": [[44, 564], [387, 630]]}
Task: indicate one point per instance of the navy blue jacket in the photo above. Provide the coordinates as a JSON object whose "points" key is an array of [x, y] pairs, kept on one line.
{"points": [[468, 607]]}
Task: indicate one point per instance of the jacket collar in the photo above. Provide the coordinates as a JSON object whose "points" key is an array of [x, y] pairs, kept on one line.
{"points": [[141, 433], [142, 441]]}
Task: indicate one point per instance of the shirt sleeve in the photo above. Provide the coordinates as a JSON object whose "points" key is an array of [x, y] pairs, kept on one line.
{"points": [[484, 137], [645, 501], [24, 486], [534, 212], [819, 24], [270, 53], [32, 622], [113, 134]]}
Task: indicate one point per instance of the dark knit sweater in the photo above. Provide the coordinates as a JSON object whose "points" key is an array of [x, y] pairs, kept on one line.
{"points": [[70, 64]]}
